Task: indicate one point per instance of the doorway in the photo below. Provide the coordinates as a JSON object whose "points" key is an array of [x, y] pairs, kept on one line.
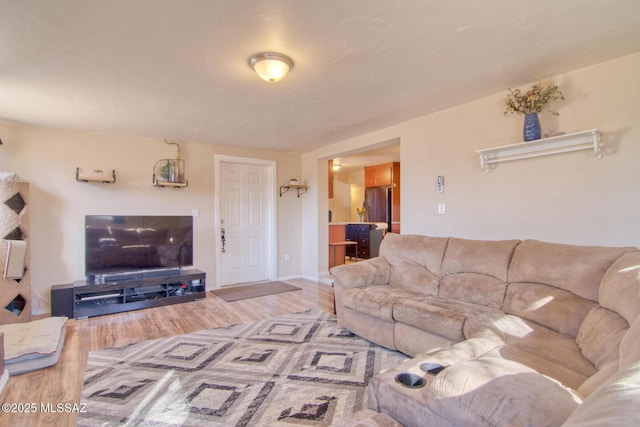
{"points": [[348, 185], [245, 220]]}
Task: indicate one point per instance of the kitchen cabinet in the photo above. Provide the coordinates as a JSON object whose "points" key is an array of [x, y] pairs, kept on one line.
{"points": [[378, 175], [368, 237], [386, 175]]}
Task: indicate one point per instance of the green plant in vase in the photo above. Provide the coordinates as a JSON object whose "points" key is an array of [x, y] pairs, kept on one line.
{"points": [[531, 103], [168, 170]]}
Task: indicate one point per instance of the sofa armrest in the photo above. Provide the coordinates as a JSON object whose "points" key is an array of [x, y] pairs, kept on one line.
{"points": [[373, 271]]}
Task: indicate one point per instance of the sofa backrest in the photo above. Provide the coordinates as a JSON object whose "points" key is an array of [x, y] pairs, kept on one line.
{"points": [[556, 285], [620, 293], [613, 404], [476, 270], [591, 293], [609, 337], [416, 261]]}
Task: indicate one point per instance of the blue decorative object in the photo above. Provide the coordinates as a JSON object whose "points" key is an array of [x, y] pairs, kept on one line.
{"points": [[531, 130]]}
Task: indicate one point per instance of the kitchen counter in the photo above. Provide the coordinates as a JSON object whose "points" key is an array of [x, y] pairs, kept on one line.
{"points": [[337, 239], [379, 225]]}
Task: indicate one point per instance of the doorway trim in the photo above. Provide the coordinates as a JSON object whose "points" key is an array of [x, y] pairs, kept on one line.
{"points": [[218, 159]]}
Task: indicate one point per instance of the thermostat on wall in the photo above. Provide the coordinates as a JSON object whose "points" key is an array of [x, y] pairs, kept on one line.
{"points": [[440, 184]]}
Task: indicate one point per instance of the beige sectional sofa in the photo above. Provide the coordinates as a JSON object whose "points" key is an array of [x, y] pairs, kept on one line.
{"points": [[526, 330]]}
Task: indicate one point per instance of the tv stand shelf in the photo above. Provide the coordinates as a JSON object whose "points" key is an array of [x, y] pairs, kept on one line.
{"points": [[81, 299]]}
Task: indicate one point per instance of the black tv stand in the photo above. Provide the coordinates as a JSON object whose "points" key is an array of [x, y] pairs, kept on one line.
{"points": [[81, 299], [101, 279]]}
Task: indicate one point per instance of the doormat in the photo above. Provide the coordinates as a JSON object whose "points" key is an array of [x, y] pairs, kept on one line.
{"points": [[235, 293], [299, 369]]}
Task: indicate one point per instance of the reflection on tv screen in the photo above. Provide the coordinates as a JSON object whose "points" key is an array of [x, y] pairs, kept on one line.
{"points": [[118, 244]]}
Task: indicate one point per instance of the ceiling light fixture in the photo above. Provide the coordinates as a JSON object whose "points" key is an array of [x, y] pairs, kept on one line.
{"points": [[271, 66], [336, 167]]}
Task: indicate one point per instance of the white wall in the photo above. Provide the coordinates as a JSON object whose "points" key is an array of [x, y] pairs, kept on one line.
{"points": [[48, 158], [340, 204], [356, 178], [569, 198], [348, 194]]}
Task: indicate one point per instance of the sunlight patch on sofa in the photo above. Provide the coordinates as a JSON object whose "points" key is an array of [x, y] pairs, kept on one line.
{"points": [[515, 326], [536, 305], [631, 269]]}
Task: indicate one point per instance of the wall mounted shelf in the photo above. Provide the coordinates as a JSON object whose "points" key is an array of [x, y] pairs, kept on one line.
{"points": [[104, 178], [584, 140], [169, 173], [171, 184], [300, 189]]}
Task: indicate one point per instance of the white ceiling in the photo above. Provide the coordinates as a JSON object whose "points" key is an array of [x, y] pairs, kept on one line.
{"points": [[178, 69]]}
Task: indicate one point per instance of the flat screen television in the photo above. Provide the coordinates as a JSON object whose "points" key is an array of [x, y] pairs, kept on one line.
{"points": [[123, 245]]}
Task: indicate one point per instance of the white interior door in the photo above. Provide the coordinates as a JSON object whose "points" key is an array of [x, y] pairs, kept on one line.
{"points": [[245, 220]]}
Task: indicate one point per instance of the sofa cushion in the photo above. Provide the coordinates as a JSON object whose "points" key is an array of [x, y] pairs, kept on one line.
{"points": [[415, 341], [577, 269], [416, 261], [377, 300], [600, 335], [549, 352], [552, 346], [373, 328], [475, 271], [441, 316], [559, 370], [497, 392], [33, 345], [554, 308], [474, 288], [487, 257], [469, 349], [620, 288], [592, 383], [615, 403], [630, 345]]}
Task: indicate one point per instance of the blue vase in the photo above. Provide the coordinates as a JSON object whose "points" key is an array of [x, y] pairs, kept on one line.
{"points": [[531, 130]]}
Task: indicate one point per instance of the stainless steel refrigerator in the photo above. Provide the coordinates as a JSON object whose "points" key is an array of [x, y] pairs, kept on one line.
{"points": [[377, 205]]}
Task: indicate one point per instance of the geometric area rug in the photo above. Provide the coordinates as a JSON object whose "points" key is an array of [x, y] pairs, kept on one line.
{"points": [[300, 369]]}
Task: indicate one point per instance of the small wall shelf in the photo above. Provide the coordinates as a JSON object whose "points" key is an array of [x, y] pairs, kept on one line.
{"points": [[584, 140], [105, 178], [171, 184], [169, 173], [300, 189]]}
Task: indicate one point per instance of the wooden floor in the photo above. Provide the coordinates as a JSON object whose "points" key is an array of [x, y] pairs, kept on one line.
{"points": [[62, 383]]}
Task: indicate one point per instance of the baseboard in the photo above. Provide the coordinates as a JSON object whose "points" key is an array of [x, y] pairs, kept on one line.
{"points": [[325, 278], [289, 277]]}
